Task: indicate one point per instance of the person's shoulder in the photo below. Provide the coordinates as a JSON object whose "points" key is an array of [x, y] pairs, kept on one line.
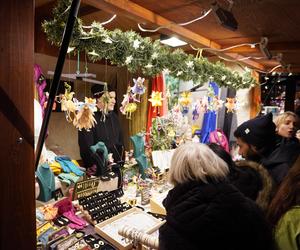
{"points": [[290, 219], [295, 210]]}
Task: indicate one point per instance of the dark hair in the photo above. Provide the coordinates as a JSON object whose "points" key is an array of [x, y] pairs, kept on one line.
{"points": [[246, 179], [222, 153], [287, 195]]}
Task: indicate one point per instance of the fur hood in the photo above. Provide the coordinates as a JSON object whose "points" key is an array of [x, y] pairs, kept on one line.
{"points": [[264, 194]]}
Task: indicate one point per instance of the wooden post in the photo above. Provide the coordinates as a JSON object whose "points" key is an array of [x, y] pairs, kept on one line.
{"points": [[17, 210], [290, 92]]}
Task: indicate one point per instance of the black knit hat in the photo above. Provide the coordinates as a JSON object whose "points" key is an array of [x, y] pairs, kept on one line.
{"points": [[259, 132]]}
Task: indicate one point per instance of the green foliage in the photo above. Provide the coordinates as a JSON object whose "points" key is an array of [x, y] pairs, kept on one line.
{"points": [[139, 54], [160, 134]]}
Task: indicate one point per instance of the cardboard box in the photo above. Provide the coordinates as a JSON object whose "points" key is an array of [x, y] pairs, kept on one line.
{"points": [[134, 218]]}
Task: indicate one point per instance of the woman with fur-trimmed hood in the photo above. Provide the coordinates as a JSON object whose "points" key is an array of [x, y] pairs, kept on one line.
{"points": [[249, 177]]}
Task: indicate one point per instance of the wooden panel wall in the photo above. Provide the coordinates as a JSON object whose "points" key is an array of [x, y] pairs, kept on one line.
{"points": [[17, 210]]}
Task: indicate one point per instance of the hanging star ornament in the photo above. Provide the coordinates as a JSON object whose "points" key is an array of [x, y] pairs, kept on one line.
{"points": [[156, 99], [230, 105], [185, 99]]}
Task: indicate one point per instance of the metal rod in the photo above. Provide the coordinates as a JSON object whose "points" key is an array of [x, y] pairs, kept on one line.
{"points": [[56, 78]]}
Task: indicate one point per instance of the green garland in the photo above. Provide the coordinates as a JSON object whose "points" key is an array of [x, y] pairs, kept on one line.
{"points": [[140, 54]]}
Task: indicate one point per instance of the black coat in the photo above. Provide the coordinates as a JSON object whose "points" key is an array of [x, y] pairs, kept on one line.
{"points": [[280, 159], [214, 217], [108, 132]]}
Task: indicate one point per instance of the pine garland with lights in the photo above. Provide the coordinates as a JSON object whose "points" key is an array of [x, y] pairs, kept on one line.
{"points": [[140, 54]]}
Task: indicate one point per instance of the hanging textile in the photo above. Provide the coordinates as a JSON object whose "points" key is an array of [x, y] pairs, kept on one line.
{"points": [[210, 117], [158, 84]]}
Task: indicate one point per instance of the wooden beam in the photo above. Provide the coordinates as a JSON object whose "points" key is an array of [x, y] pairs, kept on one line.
{"points": [[140, 14], [87, 10], [42, 11], [281, 47], [143, 15]]}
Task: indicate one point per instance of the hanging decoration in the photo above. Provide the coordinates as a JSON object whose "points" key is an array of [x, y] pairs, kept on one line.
{"points": [[81, 114], [140, 53], [84, 117], [196, 110], [67, 104], [128, 105], [138, 88], [185, 100], [156, 99], [133, 95], [230, 105], [216, 103]]}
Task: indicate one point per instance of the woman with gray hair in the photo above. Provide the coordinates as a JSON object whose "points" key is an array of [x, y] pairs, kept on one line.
{"points": [[204, 211]]}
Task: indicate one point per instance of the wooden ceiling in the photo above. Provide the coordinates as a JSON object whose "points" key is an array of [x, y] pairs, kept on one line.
{"points": [[279, 21]]}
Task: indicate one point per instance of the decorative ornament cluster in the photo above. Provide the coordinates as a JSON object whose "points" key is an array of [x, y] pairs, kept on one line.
{"points": [[140, 54], [81, 114], [209, 102]]}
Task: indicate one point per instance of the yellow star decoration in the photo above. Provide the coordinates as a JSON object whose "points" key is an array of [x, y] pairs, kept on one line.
{"points": [[156, 99], [185, 99]]}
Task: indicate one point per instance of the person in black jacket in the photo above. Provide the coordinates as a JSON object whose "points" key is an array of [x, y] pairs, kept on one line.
{"points": [[204, 211], [107, 130], [257, 141]]}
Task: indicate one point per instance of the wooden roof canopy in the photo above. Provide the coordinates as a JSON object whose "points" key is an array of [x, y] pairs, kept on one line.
{"points": [[278, 21]]}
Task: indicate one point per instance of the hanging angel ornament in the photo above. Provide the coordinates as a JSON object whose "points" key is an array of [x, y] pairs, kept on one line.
{"points": [[85, 114], [104, 102], [168, 95], [216, 103], [230, 105], [138, 88], [196, 110], [203, 104], [128, 105], [67, 104], [185, 100]]}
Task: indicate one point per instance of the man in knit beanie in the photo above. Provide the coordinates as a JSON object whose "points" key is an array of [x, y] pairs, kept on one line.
{"points": [[256, 139]]}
